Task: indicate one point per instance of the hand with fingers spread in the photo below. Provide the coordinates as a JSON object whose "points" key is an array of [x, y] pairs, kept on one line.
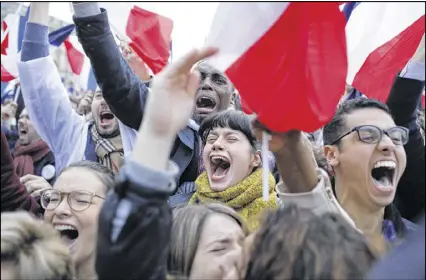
{"points": [[35, 185]]}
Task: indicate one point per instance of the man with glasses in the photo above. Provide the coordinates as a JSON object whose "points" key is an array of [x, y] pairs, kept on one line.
{"points": [[366, 151]]}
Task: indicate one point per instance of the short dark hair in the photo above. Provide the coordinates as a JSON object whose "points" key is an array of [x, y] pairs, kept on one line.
{"points": [[337, 125], [294, 244], [237, 103], [102, 172], [235, 120]]}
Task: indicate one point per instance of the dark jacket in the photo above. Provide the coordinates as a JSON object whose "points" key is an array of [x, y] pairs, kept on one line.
{"points": [[13, 194], [126, 94], [403, 101], [407, 261], [12, 136], [140, 247]]}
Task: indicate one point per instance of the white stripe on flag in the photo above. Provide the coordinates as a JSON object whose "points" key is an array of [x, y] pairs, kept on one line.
{"points": [[372, 24], [253, 29]]}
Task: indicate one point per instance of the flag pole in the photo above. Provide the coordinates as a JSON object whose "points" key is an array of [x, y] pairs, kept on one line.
{"points": [[18, 11]]}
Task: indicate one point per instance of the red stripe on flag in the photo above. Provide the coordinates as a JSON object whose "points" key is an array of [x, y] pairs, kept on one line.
{"points": [[75, 58], [376, 76], [151, 35], [5, 75], [303, 65], [5, 42]]}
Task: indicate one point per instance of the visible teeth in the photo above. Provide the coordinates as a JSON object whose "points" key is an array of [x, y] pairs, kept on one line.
{"points": [[385, 163], [216, 158], [64, 227]]}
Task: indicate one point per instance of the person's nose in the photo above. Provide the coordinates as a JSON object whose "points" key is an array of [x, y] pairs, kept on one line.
{"points": [[63, 209], [207, 84], [22, 122], [236, 261], [386, 145], [218, 145]]}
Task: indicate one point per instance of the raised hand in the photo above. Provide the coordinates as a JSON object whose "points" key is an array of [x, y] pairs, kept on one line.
{"points": [[278, 141], [35, 185]]}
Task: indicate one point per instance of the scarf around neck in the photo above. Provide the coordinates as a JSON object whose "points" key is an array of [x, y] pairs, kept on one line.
{"points": [[26, 155], [108, 150], [245, 197]]}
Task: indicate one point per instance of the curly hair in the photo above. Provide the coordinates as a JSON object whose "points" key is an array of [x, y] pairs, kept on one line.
{"points": [[33, 249], [296, 245]]}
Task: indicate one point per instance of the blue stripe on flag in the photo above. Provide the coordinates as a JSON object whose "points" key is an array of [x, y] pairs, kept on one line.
{"points": [[22, 23], [57, 37], [91, 82], [348, 9]]}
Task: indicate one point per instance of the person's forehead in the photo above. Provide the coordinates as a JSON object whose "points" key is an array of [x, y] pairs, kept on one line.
{"points": [[220, 227], [24, 113], [224, 130], [78, 179], [369, 116], [207, 68]]}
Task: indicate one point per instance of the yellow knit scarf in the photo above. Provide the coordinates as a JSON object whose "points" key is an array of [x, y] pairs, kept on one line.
{"points": [[245, 197]]}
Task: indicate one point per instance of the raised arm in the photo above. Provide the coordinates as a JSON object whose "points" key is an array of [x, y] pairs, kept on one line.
{"points": [[124, 92], [135, 221], [45, 97], [403, 101]]}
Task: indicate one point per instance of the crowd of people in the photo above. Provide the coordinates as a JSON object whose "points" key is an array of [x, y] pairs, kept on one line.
{"points": [[161, 177]]}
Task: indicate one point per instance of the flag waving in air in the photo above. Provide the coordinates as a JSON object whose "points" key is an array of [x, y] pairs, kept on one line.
{"points": [[12, 44], [381, 39], [148, 34], [287, 60]]}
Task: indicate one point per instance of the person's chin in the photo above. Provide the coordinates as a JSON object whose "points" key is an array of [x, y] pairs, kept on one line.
{"points": [[107, 131], [24, 142]]}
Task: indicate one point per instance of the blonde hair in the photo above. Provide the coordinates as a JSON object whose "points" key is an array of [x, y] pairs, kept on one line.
{"points": [[188, 222], [34, 248]]}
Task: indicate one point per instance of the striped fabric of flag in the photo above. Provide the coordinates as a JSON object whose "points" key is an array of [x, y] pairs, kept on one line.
{"points": [[287, 59], [381, 39], [12, 44]]}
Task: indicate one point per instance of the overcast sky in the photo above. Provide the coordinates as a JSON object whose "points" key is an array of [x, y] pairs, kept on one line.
{"points": [[191, 20]]}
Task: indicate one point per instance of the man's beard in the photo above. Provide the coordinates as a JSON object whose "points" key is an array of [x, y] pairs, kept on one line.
{"points": [[108, 134]]}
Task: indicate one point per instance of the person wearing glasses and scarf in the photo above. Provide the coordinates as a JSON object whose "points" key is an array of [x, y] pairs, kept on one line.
{"points": [[73, 205]]}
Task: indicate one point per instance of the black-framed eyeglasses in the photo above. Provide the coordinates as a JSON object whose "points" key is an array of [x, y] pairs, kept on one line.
{"points": [[77, 200], [371, 134]]}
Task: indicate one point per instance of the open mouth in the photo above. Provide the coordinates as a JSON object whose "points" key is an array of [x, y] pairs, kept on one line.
{"points": [[219, 166], [106, 117], [69, 234], [383, 175], [205, 104], [23, 131]]}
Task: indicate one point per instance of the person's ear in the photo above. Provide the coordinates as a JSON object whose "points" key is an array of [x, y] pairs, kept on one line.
{"points": [[332, 155], [233, 96], [257, 159]]}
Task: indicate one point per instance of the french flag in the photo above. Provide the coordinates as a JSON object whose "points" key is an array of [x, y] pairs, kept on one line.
{"points": [[12, 43], [147, 33], [381, 39], [287, 60]]}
